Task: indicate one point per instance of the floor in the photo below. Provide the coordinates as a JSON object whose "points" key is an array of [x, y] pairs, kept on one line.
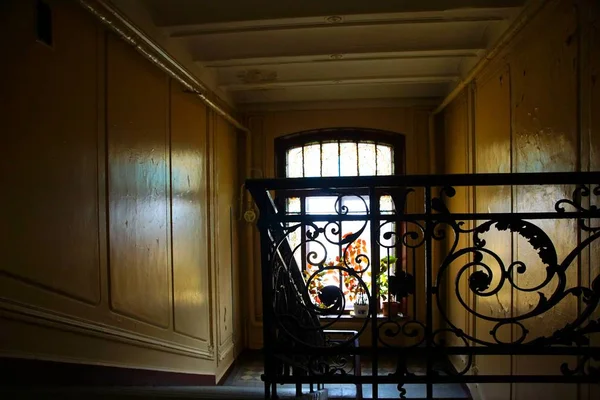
{"points": [[243, 382], [248, 369]]}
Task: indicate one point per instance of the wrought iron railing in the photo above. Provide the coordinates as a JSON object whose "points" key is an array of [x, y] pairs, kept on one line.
{"points": [[450, 260]]}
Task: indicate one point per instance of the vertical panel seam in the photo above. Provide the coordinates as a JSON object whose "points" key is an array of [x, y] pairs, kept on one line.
{"points": [[170, 252], [107, 173], [101, 173]]}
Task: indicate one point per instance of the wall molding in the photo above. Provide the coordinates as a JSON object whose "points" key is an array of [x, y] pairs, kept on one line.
{"points": [[40, 316], [56, 291], [225, 349]]}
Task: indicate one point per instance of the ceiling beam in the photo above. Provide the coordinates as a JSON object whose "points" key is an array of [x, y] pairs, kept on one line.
{"points": [[181, 12], [235, 87], [332, 22], [319, 58], [340, 104]]}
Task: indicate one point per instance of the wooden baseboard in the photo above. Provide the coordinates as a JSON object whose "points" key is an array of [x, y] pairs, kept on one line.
{"points": [[27, 372], [226, 374]]}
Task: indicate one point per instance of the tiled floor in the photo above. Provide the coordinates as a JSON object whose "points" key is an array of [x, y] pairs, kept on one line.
{"points": [[249, 367]]}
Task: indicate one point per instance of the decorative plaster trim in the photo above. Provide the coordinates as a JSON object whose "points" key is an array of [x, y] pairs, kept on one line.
{"points": [[39, 316]]}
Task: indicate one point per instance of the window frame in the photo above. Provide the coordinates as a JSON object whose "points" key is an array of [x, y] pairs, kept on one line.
{"points": [[357, 135]]}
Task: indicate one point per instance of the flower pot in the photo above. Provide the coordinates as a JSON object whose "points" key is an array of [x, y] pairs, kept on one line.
{"points": [[361, 310], [391, 308]]}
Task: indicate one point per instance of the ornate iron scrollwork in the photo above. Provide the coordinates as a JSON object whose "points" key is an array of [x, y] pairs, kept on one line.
{"points": [[313, 277]]}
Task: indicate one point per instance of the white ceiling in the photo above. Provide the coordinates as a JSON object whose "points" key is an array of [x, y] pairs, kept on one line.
{"points": [[267, 52]]}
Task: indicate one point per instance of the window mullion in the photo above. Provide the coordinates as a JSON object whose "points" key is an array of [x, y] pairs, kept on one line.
{"points": [[339, 158], [321, 159], [340, 234], [303, 234], [303, 161], [376, 157], [357, 160]]}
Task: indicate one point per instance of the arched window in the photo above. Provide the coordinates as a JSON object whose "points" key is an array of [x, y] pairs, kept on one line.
{"points": [[330, 153], [339, 152]]}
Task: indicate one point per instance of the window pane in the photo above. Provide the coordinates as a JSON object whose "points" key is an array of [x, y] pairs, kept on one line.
{"points": [[330, 159], [356, 204], [360, 246], [348, 159], [294, 163], [295, 241], [293, 205], [323, 251], [366, 159], [323, 205], [387, 242], [320, 205], [312, 160], [386, 205], [384, 160]]}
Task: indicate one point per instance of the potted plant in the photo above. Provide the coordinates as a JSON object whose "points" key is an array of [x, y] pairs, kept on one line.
{"points": [[361, 305], [394, 286]]}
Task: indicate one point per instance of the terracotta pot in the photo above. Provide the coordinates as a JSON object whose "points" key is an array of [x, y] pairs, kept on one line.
{"points": [[392, 308]]}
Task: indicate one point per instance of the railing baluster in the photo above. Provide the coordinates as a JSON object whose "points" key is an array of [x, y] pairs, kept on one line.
{"points": [[428, 291], [374, 225]]}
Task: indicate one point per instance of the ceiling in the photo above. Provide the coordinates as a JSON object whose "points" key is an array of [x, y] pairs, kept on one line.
{"points": [[268, 53]]}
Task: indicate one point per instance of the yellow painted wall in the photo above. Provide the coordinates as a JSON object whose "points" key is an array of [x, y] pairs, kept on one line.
{"points": [[118, 205], [456, 120], [532, 109], [412, 122], [226, 175]]}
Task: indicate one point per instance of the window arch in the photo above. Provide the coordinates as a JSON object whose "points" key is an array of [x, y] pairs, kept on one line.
{"points": [[339, 152]]}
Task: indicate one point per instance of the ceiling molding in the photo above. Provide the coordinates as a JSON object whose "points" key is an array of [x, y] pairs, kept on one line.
{"points": [[345, 81], [239, 27]]}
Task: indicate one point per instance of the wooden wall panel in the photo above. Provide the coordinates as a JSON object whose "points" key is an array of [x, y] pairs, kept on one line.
{"points": [[105, 208], [456, 130], [545, 139], [49, 179], [493, 155], [593, 113], [594, 100], [594, 88], [137, 98], [189, 214], [226, 190]]}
